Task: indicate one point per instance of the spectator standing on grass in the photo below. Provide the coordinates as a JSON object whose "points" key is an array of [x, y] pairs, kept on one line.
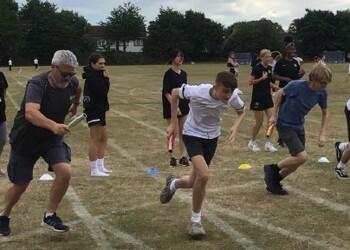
{"points": [[3, 122], [232, 63], [38, 131], [261, 81], [174, 77], [201, 131], [287, 69], [96, 105], [300, 97], [36, 63], [10, 64]]}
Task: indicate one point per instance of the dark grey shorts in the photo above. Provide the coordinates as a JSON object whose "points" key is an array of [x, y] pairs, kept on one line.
{"points": [[20, 166], [199, 146], [294, 139]]}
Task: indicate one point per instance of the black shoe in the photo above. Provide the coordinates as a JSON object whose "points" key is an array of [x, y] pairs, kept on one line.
{"points": [[272, 180], [166, 195], [54, 223], [338, 152], [341, 174], [172, 163], [184, 161], [280, 143], [5, 225]]}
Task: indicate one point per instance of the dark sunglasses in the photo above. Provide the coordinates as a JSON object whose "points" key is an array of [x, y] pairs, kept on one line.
{"points": [[65, 74]]}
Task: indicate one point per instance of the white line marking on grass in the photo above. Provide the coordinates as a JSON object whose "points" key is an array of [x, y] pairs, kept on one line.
{"points": [[332, 205], [89, 221], [210, 216], [262, 223], [20, 70]]}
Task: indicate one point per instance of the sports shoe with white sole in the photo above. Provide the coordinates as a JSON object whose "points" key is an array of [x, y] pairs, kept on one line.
{"points": [[54, 223], [269, 147], [253, 146], [195, 229]]}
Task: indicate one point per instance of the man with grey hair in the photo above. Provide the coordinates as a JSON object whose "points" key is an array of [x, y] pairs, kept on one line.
{"points": [[38, 131]]}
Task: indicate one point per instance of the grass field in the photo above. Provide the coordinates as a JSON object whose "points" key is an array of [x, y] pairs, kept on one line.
{"points": [[123, 211]]}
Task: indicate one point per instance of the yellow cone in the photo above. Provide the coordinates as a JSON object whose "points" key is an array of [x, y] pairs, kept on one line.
{"points": [[244, 166]]}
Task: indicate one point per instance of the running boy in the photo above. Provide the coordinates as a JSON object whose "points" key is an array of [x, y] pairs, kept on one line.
{"points": [[200, 134], [300, 97]]}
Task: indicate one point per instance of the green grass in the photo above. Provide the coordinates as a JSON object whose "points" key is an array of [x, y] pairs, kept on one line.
{"points": [[123, 210]]}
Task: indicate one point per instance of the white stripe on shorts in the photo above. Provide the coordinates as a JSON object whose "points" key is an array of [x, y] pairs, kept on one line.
{"points": [[96, 120]]}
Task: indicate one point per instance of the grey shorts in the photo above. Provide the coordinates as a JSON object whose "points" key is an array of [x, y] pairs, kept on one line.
{"points": [[199, 146], [294, 139], [20, 166]]}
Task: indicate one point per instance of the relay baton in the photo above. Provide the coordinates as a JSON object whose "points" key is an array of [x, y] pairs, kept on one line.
{"points": [[270, 129], [77, 120], [171, 140]]}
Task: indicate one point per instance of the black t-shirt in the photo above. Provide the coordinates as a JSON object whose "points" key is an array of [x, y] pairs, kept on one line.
{"points": [[3, 86], [288, 69], [171, 81], [54, 104], [262, 89]]}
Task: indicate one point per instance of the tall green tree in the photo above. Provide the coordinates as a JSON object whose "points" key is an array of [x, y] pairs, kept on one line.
{"points": [[316, 31], [10, 30], [203, 35], [253, 36], [166, 33], [47, 30], [124, 24]]}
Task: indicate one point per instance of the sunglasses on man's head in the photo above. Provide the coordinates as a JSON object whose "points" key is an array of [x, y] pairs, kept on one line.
{"points": [[65, 74]]}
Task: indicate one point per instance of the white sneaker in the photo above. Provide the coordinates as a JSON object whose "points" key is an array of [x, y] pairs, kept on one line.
{"points": [[269, 147], [253, 146], [95, 173], [104, 170]]}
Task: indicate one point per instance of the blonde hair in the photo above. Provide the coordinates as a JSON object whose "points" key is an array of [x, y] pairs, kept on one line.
{"points": [[263, 52], [320, 73]]}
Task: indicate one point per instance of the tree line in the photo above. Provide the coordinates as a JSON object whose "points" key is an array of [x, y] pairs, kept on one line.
{"points": [[37, 29]]}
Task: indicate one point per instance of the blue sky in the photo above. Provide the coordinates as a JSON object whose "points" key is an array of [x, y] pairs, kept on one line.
{"points": [[225, 12]]}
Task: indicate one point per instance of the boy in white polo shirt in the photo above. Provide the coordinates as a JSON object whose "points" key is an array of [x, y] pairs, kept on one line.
{"points": [[200, 134]]}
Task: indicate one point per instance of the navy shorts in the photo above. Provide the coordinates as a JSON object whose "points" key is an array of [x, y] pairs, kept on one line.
{"points": [[200, 146], [95, 117], [294, 139], [20, 166]]}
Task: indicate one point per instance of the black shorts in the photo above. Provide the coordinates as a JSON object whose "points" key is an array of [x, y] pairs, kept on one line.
{"points": [[20, 166], [183, 106], [294, 139], [200, 146], [95, 117], [261, 104]]}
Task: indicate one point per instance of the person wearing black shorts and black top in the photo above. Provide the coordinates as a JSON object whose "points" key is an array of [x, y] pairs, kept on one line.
{"points": [[174, 78], [287, 69], [95, 106], [3, 123], [261, 80]]}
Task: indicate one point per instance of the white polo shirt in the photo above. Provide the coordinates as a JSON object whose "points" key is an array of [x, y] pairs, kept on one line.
{"points": [[204, 118]]}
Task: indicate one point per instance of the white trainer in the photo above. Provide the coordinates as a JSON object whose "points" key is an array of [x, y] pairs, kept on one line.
{"points": [[96, 173], [104, 170], [269, 147], [253, 146]]}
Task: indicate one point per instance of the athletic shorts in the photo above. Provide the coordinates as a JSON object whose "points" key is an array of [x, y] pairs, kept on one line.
{"points": [[199, 146], [20, 166], [261, 104], [294, 139], [95, 117]]}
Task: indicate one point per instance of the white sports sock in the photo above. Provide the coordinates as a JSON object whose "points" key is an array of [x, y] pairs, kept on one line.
{"points": [[48, 214], [343, 146], [93, 164], [100, 162], [196, 217], [341, 165], [172, 186]]}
